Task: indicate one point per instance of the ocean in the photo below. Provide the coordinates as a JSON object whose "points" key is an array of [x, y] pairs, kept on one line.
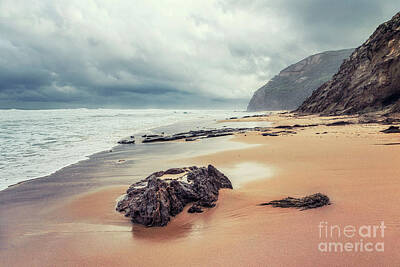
{"points": [[35, 143]]}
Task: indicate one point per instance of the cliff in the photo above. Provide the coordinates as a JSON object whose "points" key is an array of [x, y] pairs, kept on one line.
{"points": [[368, 81], [293, 85]]}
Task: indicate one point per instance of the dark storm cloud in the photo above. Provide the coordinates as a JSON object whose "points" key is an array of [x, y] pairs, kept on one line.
{"points": [[319, 25], [340, 23], [176, 53]]}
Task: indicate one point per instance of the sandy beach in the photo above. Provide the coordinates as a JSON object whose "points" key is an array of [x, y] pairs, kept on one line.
{"points": [[355, 165]]}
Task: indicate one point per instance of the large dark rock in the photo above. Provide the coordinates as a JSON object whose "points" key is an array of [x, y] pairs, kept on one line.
{"points": [[368, 81], [154, 200], [309, 202], [294, 84]]}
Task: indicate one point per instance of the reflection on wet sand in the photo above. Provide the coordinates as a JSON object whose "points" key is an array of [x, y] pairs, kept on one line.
{"points": [[244, 172]]}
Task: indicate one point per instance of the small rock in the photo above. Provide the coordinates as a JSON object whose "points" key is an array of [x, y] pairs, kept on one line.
{"points": [[269, 134], [218, 135], [284, 127], [126, 141], [392, 129], [339, 123], [195, 209], [309, 202]]}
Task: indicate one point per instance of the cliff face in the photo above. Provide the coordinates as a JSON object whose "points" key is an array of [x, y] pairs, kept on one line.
{"points": [[368, 81], [293, 85]]}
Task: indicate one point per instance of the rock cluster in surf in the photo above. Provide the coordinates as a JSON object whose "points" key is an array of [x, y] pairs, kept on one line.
{"points": [[162, 195], [198, 134]]}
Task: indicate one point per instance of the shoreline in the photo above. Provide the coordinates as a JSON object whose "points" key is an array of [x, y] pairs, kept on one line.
{"points": [[64, 148], [345, 163]]}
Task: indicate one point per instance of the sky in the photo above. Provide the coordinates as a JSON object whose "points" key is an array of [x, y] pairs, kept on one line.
{"points": [[166, 54]]}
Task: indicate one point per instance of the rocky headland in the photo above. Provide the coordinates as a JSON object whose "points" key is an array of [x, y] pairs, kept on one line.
{"points": [[288, 89], [368, 81]]}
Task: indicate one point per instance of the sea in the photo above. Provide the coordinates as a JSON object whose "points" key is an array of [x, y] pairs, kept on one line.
{"points": [[36, 143]]}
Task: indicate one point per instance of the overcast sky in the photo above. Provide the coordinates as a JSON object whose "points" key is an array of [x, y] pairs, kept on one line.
{"points": [[186, 54]]}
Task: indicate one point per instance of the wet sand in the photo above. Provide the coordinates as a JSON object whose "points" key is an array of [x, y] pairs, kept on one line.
{"points": [[349, 163]]}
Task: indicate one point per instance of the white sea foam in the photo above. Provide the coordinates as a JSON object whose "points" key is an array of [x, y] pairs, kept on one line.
{"points": [[34, 143]]}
